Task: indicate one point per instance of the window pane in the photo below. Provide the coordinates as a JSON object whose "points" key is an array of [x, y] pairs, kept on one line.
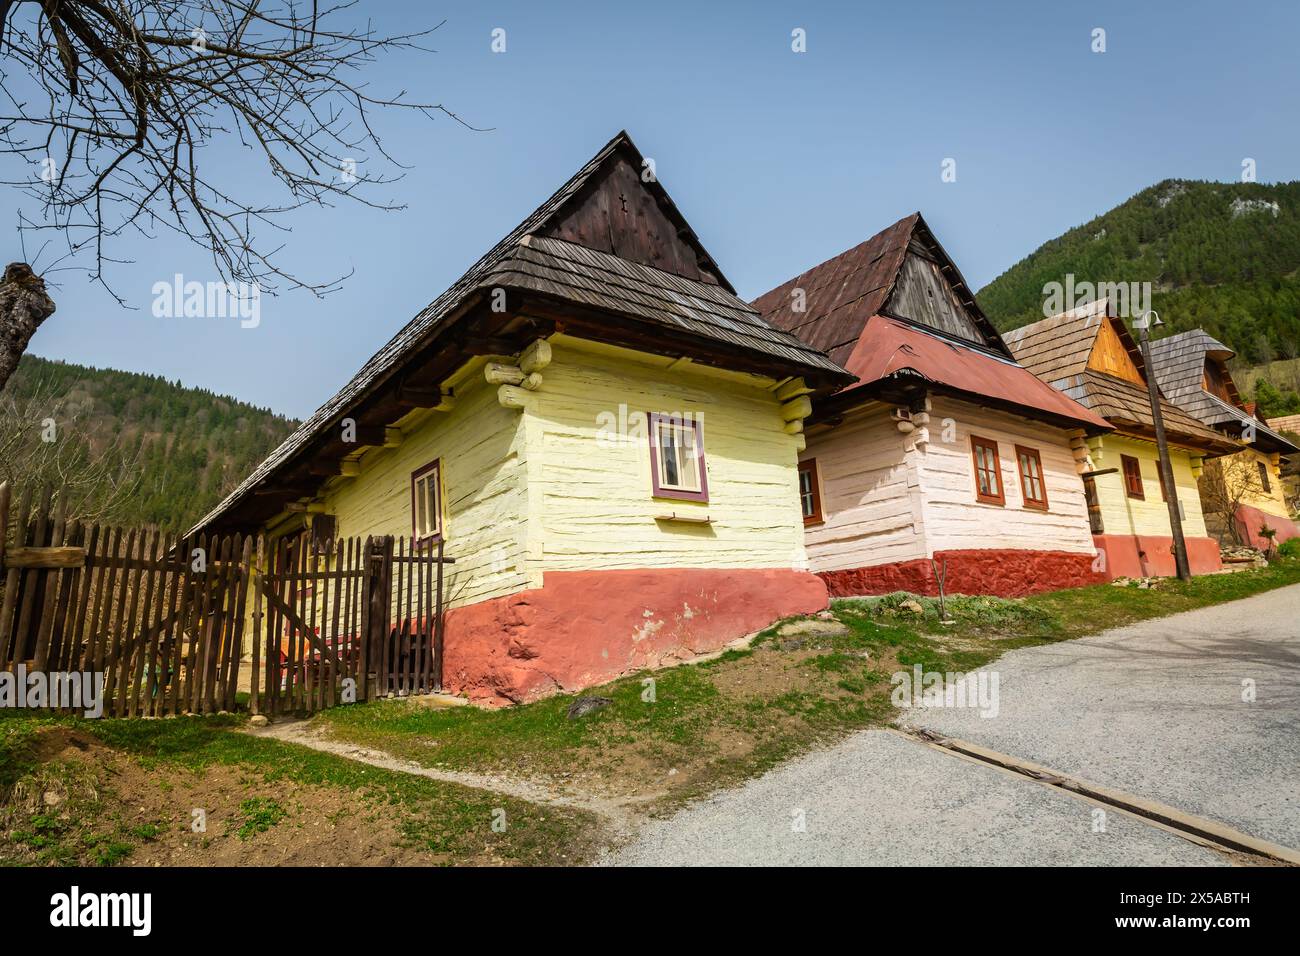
{"points": [[431, 496], [688, 463], [805, 493], [421, 511], [670, 473]]}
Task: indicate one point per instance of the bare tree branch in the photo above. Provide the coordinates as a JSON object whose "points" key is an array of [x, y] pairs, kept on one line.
{"points": [[142, 101]]}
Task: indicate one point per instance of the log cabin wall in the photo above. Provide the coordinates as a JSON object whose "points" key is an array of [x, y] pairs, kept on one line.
{"points": [[482, 451], [1124, 515], [955, 520], [871, 496], [595, 508]]}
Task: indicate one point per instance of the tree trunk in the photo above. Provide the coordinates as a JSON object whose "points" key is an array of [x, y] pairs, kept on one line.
{"points": [[24, 305]]}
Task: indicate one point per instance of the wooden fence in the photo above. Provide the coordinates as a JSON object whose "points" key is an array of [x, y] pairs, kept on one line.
{"points": [[200, 625]]}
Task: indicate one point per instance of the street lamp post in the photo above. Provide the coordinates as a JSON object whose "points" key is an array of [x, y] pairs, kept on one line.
{"points": [[1145, 321]]}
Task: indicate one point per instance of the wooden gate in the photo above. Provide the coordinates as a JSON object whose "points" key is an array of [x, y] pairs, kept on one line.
{"points": [[347, 621], [161, 618], [180, 625]]}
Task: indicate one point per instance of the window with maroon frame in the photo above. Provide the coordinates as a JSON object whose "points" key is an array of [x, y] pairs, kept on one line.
{"points": [[426, 504], [1263, 478], [1032, 484], [810, 496], [1132, 469], [988, 473], [677, 457]]}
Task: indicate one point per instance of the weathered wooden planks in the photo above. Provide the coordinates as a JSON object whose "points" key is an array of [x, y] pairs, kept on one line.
{"points": [[168, 622]]}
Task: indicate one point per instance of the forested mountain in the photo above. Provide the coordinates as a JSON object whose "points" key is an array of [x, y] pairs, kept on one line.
{"points": [[1219, 256], [133, 448]]}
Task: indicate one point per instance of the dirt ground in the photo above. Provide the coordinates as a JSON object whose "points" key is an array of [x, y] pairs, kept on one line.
{"points": [[84, 784]]}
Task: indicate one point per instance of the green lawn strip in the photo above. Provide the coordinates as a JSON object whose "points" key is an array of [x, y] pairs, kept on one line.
{"points": [[438, 817], [690, 708]]}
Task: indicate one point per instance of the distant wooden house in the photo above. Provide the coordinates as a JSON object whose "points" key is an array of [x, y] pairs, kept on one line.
{"points": [[1089, 355], [1242, 495], [944, 456], [603, 435]]}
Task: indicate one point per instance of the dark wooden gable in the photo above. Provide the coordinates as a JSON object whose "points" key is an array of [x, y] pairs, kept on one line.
{"points": [[922, 295], [618, 213], [929, 291]]}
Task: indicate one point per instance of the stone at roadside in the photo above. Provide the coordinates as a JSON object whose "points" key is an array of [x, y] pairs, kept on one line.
{"points": [[585, 705], [812, 627]]}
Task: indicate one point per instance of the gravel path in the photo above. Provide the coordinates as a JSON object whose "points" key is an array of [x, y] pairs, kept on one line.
{"points": [[880, 799], [1154, 709]]}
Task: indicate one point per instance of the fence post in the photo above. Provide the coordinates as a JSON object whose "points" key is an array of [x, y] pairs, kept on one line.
{"points": [[4, 521], [377, 591], [437, 627]]}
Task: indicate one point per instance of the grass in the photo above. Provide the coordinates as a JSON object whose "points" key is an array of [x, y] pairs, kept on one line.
{"points": [[259, 814], [728, 719], [668, 736], [86, 828]]}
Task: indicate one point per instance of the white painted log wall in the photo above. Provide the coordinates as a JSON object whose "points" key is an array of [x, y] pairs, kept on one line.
{"points": [[869, 494], [954, 519]]}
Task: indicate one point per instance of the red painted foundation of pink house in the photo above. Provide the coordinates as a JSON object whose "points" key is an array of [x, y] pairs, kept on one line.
{"points": [[587, 627], [1152, 556], [1250, 521], [1001, 572]]}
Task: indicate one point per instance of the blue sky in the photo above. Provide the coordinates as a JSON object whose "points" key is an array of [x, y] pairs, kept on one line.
{"points": [[779, 160]]}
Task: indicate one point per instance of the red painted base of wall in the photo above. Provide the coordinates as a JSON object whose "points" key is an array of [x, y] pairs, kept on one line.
{"points": [[1002, 572], [1152, 556], [1251, 520], [587, 627]]}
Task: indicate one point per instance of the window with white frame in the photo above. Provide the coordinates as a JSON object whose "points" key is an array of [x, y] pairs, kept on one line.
{"points": [[677, 457], [426, 503]]}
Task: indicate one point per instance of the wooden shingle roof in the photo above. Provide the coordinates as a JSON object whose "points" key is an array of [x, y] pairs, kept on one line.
{"points": [[849, 306], [1179, 362], [599, 280], [842, 294], [1058, 350], [702, 305]]}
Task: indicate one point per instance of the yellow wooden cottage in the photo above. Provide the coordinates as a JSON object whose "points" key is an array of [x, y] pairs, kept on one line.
{"points": [[1242, 495], [598, 430], [1089, 354]]}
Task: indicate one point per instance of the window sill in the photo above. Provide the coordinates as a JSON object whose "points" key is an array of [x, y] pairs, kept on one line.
{"points": [[685, 519], [667, 494]]}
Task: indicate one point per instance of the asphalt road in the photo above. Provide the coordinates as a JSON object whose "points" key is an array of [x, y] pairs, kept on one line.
{"points": [[1154, 709]]}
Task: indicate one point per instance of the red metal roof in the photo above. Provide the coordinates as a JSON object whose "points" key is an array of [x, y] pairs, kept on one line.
{"points": [[887, 346]]}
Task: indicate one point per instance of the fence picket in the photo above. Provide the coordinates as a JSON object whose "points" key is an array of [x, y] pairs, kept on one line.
{"points": [[167, 638], [8, 633]]}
